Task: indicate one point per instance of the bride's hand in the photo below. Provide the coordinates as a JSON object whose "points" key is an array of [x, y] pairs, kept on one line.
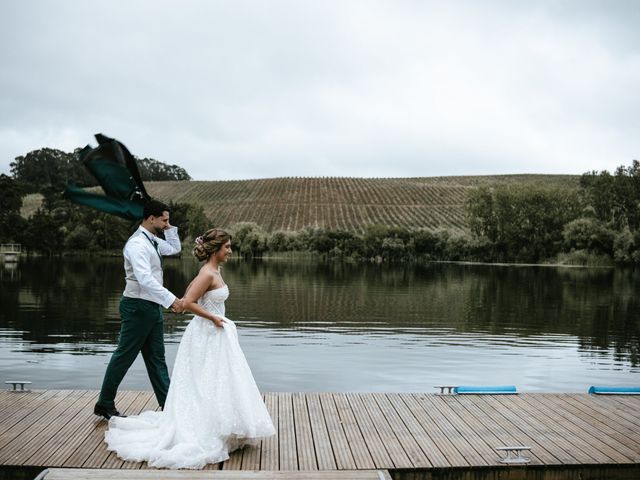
{"points": [[218, 322], [178, 305]]}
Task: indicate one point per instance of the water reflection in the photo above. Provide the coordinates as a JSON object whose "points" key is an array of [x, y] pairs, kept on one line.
{"points": [[315, 326]]}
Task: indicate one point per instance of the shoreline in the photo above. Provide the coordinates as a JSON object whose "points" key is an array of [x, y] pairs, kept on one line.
{"points": [[323, 258]]}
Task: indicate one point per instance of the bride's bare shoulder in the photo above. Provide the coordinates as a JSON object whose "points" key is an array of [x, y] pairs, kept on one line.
{"points": [[207, 270], [212, 275]]}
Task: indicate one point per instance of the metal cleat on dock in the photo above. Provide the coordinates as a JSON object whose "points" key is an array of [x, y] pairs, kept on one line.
{"points": [[449, 389], [513, 456], [15, 384]]}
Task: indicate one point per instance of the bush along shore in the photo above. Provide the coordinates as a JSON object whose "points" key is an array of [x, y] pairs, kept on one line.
{"points": [[595, 221]]}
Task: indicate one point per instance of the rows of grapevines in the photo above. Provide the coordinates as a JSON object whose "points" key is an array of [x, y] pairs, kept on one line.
{"points": [[345, 203]]}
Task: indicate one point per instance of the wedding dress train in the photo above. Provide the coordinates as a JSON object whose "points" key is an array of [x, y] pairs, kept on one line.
{"points": [[213, 405]]}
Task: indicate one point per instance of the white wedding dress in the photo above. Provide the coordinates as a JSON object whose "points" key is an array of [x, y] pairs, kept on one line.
{"points": [[213, 405]]}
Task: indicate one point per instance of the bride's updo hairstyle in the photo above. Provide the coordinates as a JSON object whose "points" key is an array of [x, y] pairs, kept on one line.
{"points": [[210, 243]]}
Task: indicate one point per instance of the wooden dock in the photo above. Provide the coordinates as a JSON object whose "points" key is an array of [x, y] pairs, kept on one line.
{"points": [[404, 433]]}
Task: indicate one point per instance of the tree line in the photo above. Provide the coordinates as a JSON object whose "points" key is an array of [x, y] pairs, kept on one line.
{"points": [[53, 168], [595, 222], [57, 225]]}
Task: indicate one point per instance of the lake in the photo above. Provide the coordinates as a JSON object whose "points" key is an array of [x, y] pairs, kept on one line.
{"points": [[313, 326]]}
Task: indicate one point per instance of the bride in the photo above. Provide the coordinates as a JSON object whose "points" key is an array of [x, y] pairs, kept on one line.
{"points": [[213, 405]]}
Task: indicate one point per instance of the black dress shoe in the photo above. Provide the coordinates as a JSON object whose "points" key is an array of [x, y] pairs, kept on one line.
{"points": [[106, 412]]}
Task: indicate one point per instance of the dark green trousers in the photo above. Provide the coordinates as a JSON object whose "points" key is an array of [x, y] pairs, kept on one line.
{"points": [[141, 330]]}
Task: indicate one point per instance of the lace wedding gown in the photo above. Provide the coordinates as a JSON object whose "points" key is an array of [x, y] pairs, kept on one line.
{"points": [[213, 405]]}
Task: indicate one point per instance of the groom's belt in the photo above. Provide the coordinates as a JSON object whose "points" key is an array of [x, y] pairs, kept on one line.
{"points": [[124, 297]]}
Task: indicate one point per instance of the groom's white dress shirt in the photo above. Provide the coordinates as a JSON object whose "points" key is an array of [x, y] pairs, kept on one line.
{"points": [[143, 267]]}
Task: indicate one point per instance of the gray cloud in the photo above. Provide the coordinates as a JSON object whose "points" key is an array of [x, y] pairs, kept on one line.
{"points": [[252, 89]]}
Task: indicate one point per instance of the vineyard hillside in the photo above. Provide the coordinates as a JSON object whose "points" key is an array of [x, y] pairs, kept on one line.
{"points": [[349, 204]]}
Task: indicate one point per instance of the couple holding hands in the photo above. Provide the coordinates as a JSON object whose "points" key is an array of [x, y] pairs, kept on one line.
{"points": [[212, 404]]}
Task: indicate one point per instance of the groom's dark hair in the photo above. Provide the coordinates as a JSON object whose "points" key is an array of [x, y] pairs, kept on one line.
{"points": [[155, 208]]}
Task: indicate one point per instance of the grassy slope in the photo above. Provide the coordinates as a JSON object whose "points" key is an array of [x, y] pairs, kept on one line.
{"points": [[340, 203], [333, 202]]}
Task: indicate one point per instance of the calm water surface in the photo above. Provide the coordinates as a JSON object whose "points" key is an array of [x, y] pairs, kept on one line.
{"points": [[306, 326]]}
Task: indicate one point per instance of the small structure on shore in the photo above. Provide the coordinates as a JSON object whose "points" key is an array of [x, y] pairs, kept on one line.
{"points": [[10, 252]]}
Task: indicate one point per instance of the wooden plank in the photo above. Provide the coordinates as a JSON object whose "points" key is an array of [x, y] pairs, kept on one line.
{"points": [[390, 441], [528, 423], [104, 474], [74, 439], [269, 455], [286, 433], [345, 431], [371, 437], [581, 429], [439, 436], [601, 423], [414, 454], [603, 436], [17, 412], [460, 421], [35, 437], [11, 401], [9, 397], [513, 430], [352, 431], [66, 428], [432, 454], [504, 432], [457, 438], [627, 401], [27, 414], [251, 456], [601, 412], [335, 430], [622, 405], [563, 438], [623, 412], [304, 438], [234, 462], [95, 450], [320, 433], [17, 437]]}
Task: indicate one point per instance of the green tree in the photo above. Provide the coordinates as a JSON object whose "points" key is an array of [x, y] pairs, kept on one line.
{"points": [[588, 234], [48, 167], [11, 223], [481, 213], [615, 199], [190, 219], [154, 170], [248, 239], [279, 241], [523, 222]]}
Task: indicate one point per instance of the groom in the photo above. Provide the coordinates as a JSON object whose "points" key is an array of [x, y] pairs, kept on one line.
{"points": [[141, 305]]}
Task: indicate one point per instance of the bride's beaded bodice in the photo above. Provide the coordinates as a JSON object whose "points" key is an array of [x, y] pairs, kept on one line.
{"points": [[213, 300]]}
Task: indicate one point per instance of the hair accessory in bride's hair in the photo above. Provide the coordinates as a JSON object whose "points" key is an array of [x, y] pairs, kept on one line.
{"points": [[199, 240]]}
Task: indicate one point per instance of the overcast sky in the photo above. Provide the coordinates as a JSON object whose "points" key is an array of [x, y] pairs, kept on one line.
{"points": [[253, 89]]}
